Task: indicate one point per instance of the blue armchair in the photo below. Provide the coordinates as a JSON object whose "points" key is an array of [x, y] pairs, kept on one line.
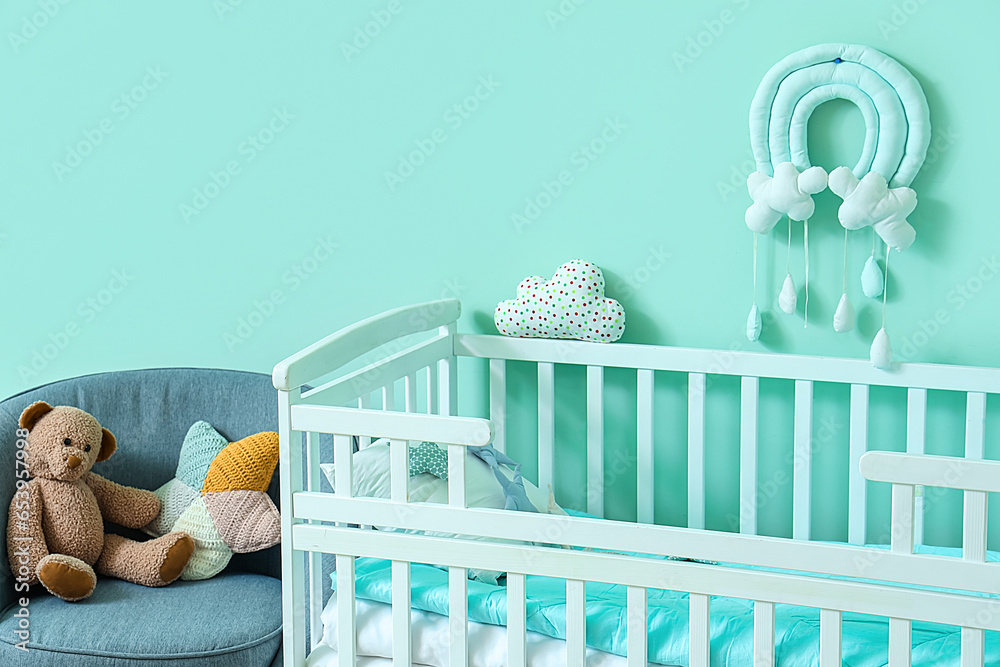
{"points": [[230, 620]]}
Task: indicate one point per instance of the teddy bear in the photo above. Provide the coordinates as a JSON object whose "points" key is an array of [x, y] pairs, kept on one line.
{"points": [[55, 532]]}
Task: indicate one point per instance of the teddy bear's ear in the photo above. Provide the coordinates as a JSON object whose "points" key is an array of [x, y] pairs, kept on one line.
{"points": [[108, 445], [33, 413]]}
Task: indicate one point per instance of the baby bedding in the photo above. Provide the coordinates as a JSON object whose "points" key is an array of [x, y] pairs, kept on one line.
{"points": [[865, 638]]}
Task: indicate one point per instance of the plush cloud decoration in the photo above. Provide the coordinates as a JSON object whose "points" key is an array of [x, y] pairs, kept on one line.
{"points": [[788, 192], [870, 202], [571, 305]]}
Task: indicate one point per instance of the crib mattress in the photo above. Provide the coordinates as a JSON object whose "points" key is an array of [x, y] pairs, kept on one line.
{"points": [[865, 638], [429, 641]]}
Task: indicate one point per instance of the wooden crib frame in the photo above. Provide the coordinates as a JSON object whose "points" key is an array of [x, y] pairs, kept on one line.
{"points": [[308, 515]]}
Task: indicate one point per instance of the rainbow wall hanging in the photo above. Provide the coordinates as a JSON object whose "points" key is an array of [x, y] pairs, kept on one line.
{"points": [[875, 192]]}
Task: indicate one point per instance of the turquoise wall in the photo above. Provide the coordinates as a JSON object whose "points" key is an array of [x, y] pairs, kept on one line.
{"points": [[220, 184]]}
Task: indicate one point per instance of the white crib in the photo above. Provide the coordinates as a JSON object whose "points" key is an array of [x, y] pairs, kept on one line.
{"points": [[314, 523]]}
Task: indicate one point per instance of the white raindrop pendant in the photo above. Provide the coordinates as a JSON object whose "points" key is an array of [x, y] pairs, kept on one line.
{"points": [[872, 280], [843, 318], [787, 297], [753, 324], [881, 353]]}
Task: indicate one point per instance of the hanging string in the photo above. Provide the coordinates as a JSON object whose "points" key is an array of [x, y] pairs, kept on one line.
{"points": [[874, 241], [788, 256], [845, 261], [755, 268], [806, 243], [885, 285]]}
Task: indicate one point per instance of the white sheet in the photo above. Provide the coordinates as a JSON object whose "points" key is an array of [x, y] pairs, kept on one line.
{"points": [[429, 641]]}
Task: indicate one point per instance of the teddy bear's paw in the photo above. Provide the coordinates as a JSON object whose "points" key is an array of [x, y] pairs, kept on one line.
{"points": [[177, 556], [66, 577]]}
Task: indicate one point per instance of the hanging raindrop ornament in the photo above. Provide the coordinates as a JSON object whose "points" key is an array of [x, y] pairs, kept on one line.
{"points": [[875, 192], [787, 298], [872, 279]]}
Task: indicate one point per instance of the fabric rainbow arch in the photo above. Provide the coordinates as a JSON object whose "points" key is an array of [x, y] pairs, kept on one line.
{"points": [[893, 105], [875, 192]]}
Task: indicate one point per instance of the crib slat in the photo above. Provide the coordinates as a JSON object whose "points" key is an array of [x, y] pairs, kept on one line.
{"points": [[916, 435], [857, 487], [316, 583], [498, 402], [346, 632], [595, 440], [410, 391], [802, 468], [402, 652], [975, 425], [830, 638], [901, 538], [749, 408], [343, 461], [389, 396], [635, 624], [365, 403], [644, 447], [763, 634], [576, 622], [546, 423], [516, 622], [974, 524], [699, 630], [399, 471], [900, 642], [458, 613], [973, 646], [696, 450], [449, 376], [456, 476], [433, 394]]}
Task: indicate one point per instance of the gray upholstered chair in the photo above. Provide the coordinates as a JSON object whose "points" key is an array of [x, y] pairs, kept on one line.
{"points": [[230, 620]]}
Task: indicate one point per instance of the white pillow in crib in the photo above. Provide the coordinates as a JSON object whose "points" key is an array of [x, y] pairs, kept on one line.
{"points": [[371, 480]]}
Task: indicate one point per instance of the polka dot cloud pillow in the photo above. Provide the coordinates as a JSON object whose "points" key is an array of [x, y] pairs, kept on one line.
{"points": [[570, 305]]}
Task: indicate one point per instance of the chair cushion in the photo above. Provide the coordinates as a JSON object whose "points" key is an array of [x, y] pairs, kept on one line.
{"points": [[232, 620]]}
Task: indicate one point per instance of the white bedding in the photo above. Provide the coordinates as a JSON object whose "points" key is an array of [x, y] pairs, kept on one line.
{"points": [[429, 641]]}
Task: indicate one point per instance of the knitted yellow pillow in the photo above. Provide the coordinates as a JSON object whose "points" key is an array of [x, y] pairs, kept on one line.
{"points": [[219, 498]]}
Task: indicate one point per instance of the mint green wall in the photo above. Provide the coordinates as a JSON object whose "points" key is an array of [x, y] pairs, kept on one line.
{"points": [[235, 207]]}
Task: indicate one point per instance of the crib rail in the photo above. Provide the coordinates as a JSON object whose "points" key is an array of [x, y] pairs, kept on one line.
{"points": [[354, 341]]}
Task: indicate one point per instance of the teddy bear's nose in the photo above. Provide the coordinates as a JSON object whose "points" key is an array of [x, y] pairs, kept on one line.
{"points": [[74, 461]]}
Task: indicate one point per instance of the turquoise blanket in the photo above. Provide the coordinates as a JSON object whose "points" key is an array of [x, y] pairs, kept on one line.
{"points": [[865, 638]]}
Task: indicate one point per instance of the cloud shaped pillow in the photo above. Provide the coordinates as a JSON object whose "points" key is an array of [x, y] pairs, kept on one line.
{"points": [[570, 305]]}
